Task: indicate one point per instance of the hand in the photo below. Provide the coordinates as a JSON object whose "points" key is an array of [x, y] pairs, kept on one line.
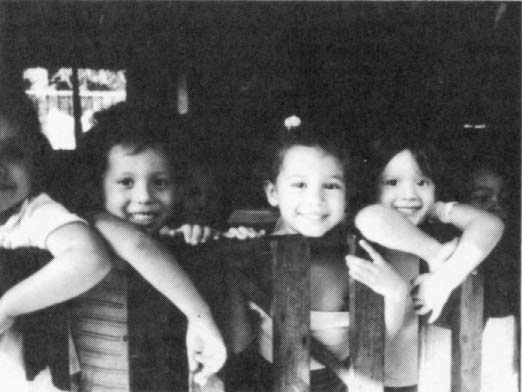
{"points": [[380, 276], [205, 349], [192, 234], [430, 293], [443, 255], [242, 233]]}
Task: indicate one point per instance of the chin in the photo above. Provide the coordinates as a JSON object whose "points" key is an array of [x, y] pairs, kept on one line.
{"points": [[313, 232]]}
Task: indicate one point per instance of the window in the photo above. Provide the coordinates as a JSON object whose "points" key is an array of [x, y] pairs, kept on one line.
{"points": [[53, 91]]}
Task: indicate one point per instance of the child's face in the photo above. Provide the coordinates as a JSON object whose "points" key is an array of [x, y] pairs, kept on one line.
{"points": [[15, 179], [405, 188], [487, 193], [309, 191], [201, 197], [138, 187]]}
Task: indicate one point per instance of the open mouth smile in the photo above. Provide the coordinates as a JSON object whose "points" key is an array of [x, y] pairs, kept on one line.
{"points": [[407, 210], [143, 218]]}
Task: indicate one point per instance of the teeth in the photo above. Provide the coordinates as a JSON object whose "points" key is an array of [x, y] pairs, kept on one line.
{"points": [[408, 210], [313, 217], [142, 217]]}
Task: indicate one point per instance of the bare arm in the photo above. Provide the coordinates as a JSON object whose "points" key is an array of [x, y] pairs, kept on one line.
{"points": [[481, 232], [157, 265], [389, 228], [80, 261], [239, 329], [154, 262]]}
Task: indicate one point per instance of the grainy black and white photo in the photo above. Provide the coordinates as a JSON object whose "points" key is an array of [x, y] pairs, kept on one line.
{"points": [[260, 196]]}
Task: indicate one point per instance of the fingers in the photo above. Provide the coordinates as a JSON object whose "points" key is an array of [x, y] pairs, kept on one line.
{"points": [[243, 233], [361, 270], [376, 257], [208, 363], [196, 234], [419, 280], [192, 361]]}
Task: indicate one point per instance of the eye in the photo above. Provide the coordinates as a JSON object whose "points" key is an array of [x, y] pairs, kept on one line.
{"points": [[161, 183], [424, 182], [390, 182], [125, 182], [332, 185], [298, 184]]}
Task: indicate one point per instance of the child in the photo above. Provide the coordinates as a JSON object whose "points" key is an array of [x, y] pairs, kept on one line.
{"points": [[30, 218], [201, 213], [202, 200], [489, 190], [135, 183], [406, 176], [308, 184]]}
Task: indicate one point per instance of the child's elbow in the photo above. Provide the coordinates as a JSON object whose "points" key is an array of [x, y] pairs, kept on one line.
{"points": [[498, 226], [367, 216]]}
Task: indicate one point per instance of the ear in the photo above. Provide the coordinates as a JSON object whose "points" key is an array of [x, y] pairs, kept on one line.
{"points": [[271, 194]]}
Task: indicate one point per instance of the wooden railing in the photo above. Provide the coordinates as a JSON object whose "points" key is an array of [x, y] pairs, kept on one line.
{"points": [[449, 355]]}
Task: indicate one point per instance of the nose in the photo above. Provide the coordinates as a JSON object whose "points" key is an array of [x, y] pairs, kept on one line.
{"points": [[315, 196], [409, 191], [142, 194]]}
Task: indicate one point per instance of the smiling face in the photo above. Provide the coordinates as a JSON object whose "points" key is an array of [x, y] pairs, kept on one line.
{"points": [[309, 191], [138, 187], [15, 178], [405, 188]]}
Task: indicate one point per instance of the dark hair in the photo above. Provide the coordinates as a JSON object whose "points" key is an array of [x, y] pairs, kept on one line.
{"points": [[384, 149], [308, 135], [17, 109], [126, 125], [324, 136]]}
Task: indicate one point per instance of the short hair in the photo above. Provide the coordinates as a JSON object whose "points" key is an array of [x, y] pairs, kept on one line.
{"points": [[325, 136], [424, 152], [321, 136], [127, 125]]}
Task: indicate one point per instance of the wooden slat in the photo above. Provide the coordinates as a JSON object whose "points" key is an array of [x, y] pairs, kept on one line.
{"points": [[291, 315], [366, 339], [367, 332], [319, 352], [467, 336], [434, 358]]}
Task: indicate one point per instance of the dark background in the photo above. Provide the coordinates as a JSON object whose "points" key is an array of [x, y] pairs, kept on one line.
{"points": [[250, 64]]}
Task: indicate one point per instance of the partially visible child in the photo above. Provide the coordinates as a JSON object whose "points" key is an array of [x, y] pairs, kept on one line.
{"points": [[490, 190], [201, 213], [406, 179], [30, 218], [308, 184], [202, 198], [134, 179]]}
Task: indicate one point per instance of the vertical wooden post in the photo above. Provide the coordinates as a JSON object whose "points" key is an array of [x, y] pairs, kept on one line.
{"points": [[367, 332], [291, 314], [77, 106], [467, 336], [434, 358]]}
